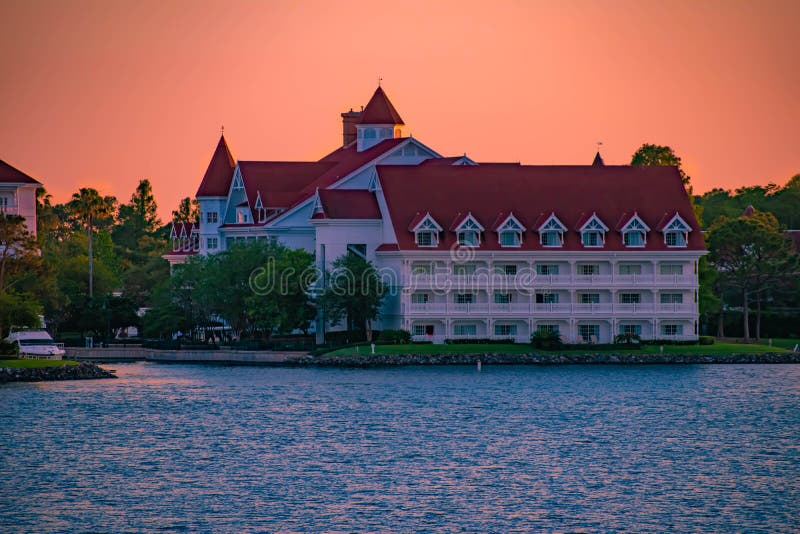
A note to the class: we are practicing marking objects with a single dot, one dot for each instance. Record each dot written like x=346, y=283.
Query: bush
x=547, y=340
x=395, y=337
x=627, y=339
x=706, y=340
x=479, y=341
x=7, y=349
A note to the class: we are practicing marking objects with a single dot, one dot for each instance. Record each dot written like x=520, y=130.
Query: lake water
x=239, y=449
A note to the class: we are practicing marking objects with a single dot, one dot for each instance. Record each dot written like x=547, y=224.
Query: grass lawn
x=786, y=343
x=717, y=348
x=31, y=364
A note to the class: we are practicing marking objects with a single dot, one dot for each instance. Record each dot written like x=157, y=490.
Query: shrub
x=706, y=340
x=479, y=341
x=547, y=340
x=395, y=337
x=627, y=339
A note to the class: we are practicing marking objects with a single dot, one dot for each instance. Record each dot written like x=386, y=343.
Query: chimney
x=349, y=121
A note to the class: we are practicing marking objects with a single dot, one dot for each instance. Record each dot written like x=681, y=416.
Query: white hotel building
x=471, y=249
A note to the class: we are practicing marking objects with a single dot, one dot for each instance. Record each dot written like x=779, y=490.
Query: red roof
x=217, y=179
x=11, y=175
x=348, y=204
x=570, y=192
x=279, y=182
x=380, y=110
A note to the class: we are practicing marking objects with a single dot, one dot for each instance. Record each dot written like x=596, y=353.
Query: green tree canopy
x=659, y=155
x=188, y=211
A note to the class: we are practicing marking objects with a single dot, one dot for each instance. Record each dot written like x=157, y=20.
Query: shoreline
x=83, y=371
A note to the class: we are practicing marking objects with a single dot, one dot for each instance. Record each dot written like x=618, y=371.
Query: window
x=551, y=233
x=630, y=268
x=593, y=233
x=671, y=298
x=631, y=329
x=671, y=268
x=502, y=298
x=509, y=270
x=370, y=133
x=464, y=330
x=464, y=298
x=589, y=298
x=357, y=249
x=546, y=269
x=419, y=298
x=548, y=329
x=212, y=217
x=588, y=269
x=671, y=329
x=422, y=268
x=242, y=215
x=551, y=239
x=426, y=239
x=630, y=298
x=505, y=330
x=468, y=238
x=423, y=330
x=509, y=238
x=633, y=238
x=676, y=232
x=675, y=239
x=589, y=332
x=3, y=203
x=546, y=298
x=212, y=243
x=462, y=269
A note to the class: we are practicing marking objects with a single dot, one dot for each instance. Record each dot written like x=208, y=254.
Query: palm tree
x=88, y=206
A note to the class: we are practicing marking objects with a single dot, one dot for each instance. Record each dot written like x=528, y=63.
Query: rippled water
x=212, y=448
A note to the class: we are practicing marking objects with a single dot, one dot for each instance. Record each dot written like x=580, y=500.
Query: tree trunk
x=746, y=316
x=721, y=322
x=368, y=330
x=91, y=263
x=758, y=317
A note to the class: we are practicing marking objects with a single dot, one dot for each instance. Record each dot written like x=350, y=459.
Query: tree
x=17, y=250
x=751, y=255
x=89, y=207
x=658, y=155
x=17, y=309
x=354, y=291
x=188, y=211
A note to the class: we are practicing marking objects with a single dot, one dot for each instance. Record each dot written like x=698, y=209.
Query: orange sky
x=105, y=93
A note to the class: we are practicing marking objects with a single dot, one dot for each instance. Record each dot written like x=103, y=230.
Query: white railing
x=9, y=210
x=530, y=308
x=531, y=280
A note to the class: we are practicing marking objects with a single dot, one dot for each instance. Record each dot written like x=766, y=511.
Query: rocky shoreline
x=390, y=360
x=82, y=371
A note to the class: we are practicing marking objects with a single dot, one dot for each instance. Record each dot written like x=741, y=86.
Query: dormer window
x=260, y=210
x=634, y=233
x=509, y=233
x=676, y=233
x=242, y=215
x=593, y=233
x=426, y=232
x=551, y=233
x=468, y=232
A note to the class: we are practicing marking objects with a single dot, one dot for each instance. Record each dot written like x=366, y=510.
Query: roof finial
x=222, y=129
x=599, y=145
x=379, y=80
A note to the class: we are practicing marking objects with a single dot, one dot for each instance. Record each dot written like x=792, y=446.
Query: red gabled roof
x=279, y=182
x=530, y=191
x=12, y=175
x=503, y=216
x=217, y=179
x=348, y=204
x=379, y=110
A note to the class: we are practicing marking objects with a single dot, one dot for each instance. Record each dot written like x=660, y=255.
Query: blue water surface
x=239, y=449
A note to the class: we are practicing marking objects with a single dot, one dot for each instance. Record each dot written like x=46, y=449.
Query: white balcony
x=526, y=280
x=530, y=309
x=9, y=210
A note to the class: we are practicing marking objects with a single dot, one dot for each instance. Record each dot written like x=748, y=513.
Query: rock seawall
x=387, y=360
x=82, y=371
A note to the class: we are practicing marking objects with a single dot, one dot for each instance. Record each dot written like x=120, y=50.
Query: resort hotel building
x=471, y=249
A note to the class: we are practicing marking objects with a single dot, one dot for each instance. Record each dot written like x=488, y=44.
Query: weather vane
x=222, y=129
x=599, y=144
x=379, y=81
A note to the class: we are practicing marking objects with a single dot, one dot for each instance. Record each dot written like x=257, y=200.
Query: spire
x=379, y=110
x=598, y=160
x=217, y=178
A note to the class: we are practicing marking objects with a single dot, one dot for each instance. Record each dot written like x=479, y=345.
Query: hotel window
x=212, y=217
x=630, y=268
x=419, y=298
x=548, y=329
x=468, y=238
x=423, y=329
x=3, y=204
x=589, y=298
x=551, y=233
x=464, y=298
x=505, y=330
x=427, y=233
x=546, y=298
x=357, y=249
x=508, y=270
x=502, y=298
x=422, y=268
x=212, y=243
x=589, y=332
x=671, y=268
x=671, y=329
x=546, y=269
x=671, y=298
x=510, y=233
x=630, y=298
x=426, y=239
x=464, y=330
x=593, y=233
x=370, y=133
x=463, y=269
x=675, y=239
x=631, y=329
x=676, y=233
x=633, y=238
x=242, y=215
x=588, y=269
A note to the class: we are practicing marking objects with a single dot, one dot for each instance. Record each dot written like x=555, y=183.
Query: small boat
x=36, y=343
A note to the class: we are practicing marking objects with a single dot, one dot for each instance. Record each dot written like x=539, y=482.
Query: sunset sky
x=105, y=93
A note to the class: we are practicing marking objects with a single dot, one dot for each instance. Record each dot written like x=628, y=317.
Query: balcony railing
x=530, y=280
x=565, y=309
x=9, y=210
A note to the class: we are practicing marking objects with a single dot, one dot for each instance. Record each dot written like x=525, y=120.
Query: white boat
x=36, y=343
